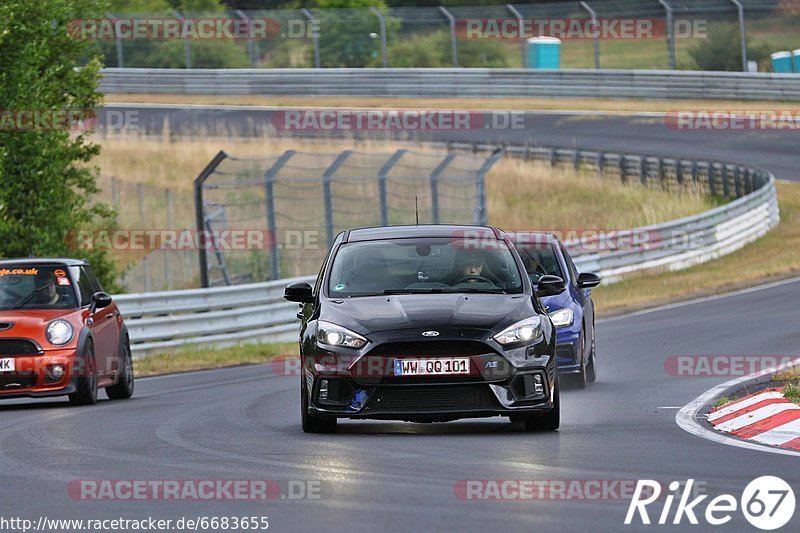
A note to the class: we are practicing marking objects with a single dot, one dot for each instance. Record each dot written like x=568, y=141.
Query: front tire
x=311, y=423
x=579, y=380
x=123, y=388
x=86, y=392
x=591, y=368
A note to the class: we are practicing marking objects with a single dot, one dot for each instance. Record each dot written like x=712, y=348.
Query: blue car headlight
x=561, y=317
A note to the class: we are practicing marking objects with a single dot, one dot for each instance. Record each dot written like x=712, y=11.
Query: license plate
x=431, y=367
x=8, y=365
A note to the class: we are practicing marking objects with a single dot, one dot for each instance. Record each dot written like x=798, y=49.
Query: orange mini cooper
x=60, y=334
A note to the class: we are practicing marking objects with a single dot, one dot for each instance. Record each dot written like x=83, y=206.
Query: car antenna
x=416, y=208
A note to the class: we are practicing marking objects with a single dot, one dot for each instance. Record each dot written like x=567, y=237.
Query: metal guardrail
x=456, y=82
x=257, y=312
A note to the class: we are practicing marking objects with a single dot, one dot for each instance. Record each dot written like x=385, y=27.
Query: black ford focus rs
x=426, y=324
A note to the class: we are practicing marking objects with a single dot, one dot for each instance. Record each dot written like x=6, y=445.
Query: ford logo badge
x=430, y=333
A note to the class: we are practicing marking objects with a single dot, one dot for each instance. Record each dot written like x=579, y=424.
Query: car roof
x=43, y=261
x=423, y=230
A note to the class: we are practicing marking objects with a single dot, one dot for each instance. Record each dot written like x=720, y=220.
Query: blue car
x=572, y=311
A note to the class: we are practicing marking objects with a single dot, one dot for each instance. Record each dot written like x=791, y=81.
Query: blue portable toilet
x=796, y=60
x=781, y=62
x=544, y=52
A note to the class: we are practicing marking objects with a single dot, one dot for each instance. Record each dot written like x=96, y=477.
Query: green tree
x=46, y=180
x=351, y=37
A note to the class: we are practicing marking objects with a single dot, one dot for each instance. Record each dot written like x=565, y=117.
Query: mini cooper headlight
x=334, y=335
x=523, y=331
x=59, y=332
x=561, y=317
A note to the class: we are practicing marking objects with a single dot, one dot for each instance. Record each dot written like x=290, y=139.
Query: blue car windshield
x=540, y=260
x=423, y=265
x=27, y=287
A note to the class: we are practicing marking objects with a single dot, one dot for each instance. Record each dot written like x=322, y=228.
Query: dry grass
x=529, y=104
x=198, y=358
x=774, y=256
x=521, y=195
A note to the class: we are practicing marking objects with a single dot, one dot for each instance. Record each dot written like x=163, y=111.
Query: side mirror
x=299, y=292
x=99, y=301
x=550, y=286
x=587, y=280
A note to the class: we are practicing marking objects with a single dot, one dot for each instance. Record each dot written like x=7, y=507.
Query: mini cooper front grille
x=11, y=347
x=13, y=382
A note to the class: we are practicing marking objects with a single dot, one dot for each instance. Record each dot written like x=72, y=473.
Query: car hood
x=30, y=319
x=382, y=313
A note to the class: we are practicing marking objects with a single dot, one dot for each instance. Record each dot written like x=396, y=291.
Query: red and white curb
x=765, y=417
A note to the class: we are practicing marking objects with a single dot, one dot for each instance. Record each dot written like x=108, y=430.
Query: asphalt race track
x=243, y=423
x=650, y=134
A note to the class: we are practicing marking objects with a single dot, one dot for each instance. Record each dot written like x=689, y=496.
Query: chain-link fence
x=275, y=217
x=622, y=34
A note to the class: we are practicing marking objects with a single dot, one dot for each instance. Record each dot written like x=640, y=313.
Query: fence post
x=440, y=168
x=642, y=169
x=679, y=171
x=382, y=22
x=481, y=217
x=382, y=173
x=742, y=34
x=250, y=41
x=269, y=197
x=118, y=41
x=198, y=212
x=326, y=187
x=187, y=52
x=522, y=40
x=314, y=34
x=670, y=34
x=453, y=44
x=596, y=33
x=737, y=181
x=724, y=174
x=170, y=226
x=145, y=259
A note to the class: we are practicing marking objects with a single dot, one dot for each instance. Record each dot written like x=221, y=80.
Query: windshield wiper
x=414, y=291
x=477, y=290
x=29, y=297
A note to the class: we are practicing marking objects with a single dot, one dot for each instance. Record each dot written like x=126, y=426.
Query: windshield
x=35, y=287
x=539, y=261
x=425, y=265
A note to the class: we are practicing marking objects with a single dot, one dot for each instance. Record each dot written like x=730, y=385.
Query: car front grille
x=432, y=398
x=11, y=347
x=432, y=348
x=14, y=382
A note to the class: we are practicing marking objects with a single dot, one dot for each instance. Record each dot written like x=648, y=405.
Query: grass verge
x=198, y=358
x=526, y=104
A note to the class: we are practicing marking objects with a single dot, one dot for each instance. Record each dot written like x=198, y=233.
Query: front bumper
x=30, y=378
x=567, y=350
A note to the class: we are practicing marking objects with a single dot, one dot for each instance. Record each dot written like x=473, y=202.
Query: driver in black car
x=467, y=269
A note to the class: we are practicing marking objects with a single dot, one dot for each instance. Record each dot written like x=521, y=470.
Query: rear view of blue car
x=572, y=311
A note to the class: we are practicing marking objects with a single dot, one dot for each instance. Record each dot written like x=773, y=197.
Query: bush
x=434, y=50
x=721, y=50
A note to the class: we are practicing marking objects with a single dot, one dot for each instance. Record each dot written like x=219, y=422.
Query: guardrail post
x=737, y=181
x=199, y=217
x=269, y=197
x=642, y=169
x=726, y=188
x=712, y=182
x=679, y=171
x=522, y=41
x=595, y=33
x=622, y=177
x=187, y=52
x=576, y=159
x=440, y=168
x=453, y=44
x=382, y=22
x=695, y=176
x=382, y=173
x=327, y=176
x=250, y=41
x=601, y=163
x=314, y=34
x=670, y=33
x=118, y=41
x=742, y=35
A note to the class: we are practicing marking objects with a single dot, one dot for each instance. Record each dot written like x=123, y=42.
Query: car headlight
x=334, y=335
x=561, y=317
x=59, y=332
x=523, y=331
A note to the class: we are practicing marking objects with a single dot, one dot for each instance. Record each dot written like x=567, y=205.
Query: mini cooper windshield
x=36, y=287
x=422, y=265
